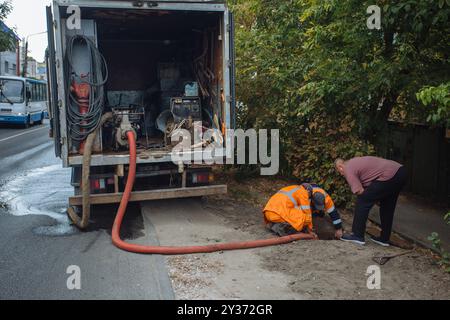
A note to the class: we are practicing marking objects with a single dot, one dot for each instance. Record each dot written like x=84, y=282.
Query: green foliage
x=314, y=162
x=7, y=40
x=438, y=99
x=313, y=69
x=437, y=244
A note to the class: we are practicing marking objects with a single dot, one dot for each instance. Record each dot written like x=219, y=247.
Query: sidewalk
x=416, y=221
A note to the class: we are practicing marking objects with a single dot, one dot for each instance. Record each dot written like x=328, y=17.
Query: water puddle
x=42, y=191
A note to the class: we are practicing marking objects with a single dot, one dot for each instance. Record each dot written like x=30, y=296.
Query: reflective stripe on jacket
x=292, y=205
x=330, y=209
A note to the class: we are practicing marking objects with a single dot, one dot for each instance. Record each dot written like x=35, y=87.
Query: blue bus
x=23, y=101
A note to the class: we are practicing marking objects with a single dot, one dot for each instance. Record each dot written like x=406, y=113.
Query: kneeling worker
x=290, y=210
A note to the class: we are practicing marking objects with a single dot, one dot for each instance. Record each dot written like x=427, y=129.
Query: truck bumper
x=108, y=198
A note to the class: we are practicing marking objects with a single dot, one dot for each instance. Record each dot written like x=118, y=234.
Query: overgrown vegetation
x=438, y=99
x=7, y=40
x=313, y=69
x=436, y=242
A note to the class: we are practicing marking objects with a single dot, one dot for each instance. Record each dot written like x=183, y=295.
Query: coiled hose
x=136, y=248
x=81, y=125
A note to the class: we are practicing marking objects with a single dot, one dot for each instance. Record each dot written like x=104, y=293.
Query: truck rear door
x=52, y=83
x=233, y=70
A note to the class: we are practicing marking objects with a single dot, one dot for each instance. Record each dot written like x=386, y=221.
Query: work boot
x=283, y=229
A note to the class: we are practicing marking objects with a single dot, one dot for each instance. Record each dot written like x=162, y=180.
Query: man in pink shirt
x=373, y=180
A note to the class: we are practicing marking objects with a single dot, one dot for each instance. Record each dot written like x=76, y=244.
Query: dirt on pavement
x=301, y=270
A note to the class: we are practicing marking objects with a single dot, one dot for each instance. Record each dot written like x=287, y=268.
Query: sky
x=29, y=17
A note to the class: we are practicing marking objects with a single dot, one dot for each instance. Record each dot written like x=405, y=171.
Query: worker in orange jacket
x=291, y=209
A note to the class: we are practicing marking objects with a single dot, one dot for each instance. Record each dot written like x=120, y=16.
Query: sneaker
x=378, y=240
x=353, y=238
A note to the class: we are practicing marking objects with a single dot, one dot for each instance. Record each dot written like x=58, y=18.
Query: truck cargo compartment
x=165, y=71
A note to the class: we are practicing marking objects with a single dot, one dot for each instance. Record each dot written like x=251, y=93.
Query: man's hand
x=360, y=192
x=311, y=232
x=338, y=234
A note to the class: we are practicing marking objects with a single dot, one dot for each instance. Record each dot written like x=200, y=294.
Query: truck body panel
x=172, y=46
x=60, y=33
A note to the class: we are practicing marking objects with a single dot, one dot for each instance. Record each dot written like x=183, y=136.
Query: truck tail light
x=95, y=184
x=198, y=178
x=99, y=184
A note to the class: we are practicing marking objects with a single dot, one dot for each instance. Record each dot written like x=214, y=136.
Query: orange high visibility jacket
x=329, y=209
x=292, y=205
x=329, y=204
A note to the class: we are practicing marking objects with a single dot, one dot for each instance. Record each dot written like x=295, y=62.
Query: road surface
x=38, y=245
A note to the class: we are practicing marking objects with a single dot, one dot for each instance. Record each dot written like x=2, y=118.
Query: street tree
x=7, y=39
x=315, y=70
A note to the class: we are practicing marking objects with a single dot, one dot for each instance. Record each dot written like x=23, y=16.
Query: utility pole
x=25, y=53
x=18, y=57
x=25, y=59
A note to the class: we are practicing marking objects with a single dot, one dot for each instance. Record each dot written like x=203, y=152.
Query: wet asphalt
x=38, y=245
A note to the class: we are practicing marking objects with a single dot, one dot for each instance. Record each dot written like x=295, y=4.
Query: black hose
x=82, y=125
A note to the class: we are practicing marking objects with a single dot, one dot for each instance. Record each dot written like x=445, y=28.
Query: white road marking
x=21, y=134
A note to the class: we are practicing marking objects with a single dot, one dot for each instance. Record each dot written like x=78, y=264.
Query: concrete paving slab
x=416, y=221
x=236, y=274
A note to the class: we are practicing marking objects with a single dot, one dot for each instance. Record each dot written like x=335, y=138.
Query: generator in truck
x=137, y=70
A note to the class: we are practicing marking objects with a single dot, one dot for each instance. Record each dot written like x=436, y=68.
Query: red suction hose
x=180, y=250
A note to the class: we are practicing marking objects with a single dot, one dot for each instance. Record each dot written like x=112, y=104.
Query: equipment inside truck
x=156, y=71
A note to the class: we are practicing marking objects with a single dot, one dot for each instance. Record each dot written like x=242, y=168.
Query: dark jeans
x=386, y=192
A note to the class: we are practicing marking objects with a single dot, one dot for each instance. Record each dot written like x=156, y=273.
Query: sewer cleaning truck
x=140, y=70
x=142, y=105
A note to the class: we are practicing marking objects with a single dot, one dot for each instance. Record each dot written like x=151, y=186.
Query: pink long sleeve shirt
x=360, y=172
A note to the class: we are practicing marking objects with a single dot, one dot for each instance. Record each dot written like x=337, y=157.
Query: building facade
x=8, y=63
x=8, y=59
x=32, y=68
x=41, y=72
